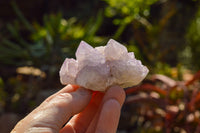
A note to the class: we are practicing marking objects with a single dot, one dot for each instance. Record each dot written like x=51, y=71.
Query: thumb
x=55, y=111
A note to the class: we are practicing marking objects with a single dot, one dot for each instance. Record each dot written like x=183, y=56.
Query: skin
x=79, y=110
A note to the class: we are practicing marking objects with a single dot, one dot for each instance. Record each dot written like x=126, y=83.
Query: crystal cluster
x=101, y=67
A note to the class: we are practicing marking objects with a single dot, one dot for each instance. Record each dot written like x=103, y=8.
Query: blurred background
x=37, y=35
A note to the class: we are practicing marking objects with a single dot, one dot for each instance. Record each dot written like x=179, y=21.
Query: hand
x=89, y=112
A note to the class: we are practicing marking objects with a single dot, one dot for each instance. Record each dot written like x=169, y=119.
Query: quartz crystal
x=101, y=67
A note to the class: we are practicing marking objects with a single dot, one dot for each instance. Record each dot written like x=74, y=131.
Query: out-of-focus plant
x=48, y=43
x=163, y=105
x=2, y=95
x=126, y=11
x=133, y=17
x=44, y=46
x=151, y=25
x=191, y=53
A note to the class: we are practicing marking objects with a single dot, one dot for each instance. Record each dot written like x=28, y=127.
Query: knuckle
x=61, y=100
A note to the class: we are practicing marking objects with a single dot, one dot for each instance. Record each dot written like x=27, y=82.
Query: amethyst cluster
x=101, y=67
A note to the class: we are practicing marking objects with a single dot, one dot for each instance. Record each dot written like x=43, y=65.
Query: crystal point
x=114, y=50
x=68, y=71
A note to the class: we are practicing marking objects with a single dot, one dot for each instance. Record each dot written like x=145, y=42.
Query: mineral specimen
x=101, y=67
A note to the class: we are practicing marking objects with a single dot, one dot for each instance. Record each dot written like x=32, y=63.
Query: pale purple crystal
x=115, y=51
x=101, y=67
x=86, y=54
x=68, y=71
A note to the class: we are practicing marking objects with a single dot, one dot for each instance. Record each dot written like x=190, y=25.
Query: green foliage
x=133, y=48
x=128, y=10
x=48, y=43
x=192, y=50
x=162, y=68
x=134, y=8
x=165, y=69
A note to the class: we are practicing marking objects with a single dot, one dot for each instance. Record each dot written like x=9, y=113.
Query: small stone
x=101, y=67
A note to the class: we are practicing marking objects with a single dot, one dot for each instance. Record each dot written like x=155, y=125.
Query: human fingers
x=55, y=111
x=109, y=117
x=114, y=93
x=67, y=89
x=81, y=121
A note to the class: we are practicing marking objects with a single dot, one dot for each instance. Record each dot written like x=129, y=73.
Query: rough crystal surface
x=101, y=67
